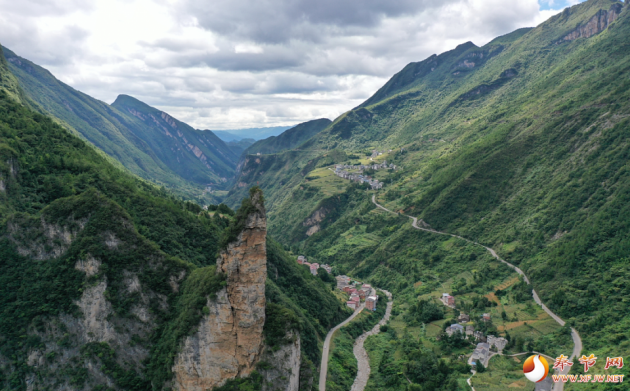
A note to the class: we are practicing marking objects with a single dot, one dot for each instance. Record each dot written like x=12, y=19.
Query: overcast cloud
x=226, y=64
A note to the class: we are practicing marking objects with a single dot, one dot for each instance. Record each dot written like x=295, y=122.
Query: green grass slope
x=141, y=147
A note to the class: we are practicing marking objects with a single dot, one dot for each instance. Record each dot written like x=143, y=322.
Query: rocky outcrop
x=281, y=368
x=229, y=340
x=595, y=25
x=41, y=240
x=313, y=221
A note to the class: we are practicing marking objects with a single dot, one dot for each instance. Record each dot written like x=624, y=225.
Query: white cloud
x=245, y=63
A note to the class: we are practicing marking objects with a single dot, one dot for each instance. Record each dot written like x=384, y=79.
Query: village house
x=354, y=304
x=448, y=299
x=500, y=343
x=479, y=336
x=370, y=303
x=469, y=330
x=455, y=328
x=342, y=282
x=485, y=317
x=327, y=268
x=463, y=318
x=480, y=354
x=314, y=267
x=301, y=259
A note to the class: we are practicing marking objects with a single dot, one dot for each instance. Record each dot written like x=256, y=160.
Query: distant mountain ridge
x=291, y=138
x=186, y=163
x=255, y=133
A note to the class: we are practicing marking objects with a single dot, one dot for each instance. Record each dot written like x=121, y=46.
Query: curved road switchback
x=363, y=361
x=577, y=341
x=323, y=369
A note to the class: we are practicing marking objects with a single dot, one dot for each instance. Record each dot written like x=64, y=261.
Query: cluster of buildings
x=375, y=166
x=484, y=344
x=340, y=171
x=313, y=266
x=358, y=292
x=374, y=183
x=482, y=351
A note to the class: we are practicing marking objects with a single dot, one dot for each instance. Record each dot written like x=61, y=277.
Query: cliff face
x=229, y=341
x=598, y=23
x=283, y=366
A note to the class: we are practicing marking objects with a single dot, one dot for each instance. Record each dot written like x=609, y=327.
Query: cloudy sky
x=226, y=64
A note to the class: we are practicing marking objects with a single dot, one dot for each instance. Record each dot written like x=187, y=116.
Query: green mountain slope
x=142, y=147
x=289, y=139
x=520, y=145
x=238, y=146
x=79, y=236
x=192, y=154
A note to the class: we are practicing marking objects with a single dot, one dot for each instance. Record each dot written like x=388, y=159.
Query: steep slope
x=103, y=276
x=142, y=147
x=193, y=154
x=289, y=139
x=520, y=145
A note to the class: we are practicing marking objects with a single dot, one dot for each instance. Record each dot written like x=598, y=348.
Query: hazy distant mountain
x=226, y=136
x=255, y=133
x=239, y=146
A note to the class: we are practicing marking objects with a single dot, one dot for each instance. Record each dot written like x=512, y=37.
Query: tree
x=480, y=367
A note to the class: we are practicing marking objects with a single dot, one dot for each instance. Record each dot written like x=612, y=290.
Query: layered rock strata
x=229, y=340
x=598, y=23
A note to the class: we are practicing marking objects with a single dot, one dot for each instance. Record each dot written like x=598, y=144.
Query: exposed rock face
x=283, y=372
x=229, y=340
x=313, y=221
x=595, y=25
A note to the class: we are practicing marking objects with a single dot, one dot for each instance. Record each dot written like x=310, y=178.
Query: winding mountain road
x=577, y=341
x=323, y=369
x=363, y=361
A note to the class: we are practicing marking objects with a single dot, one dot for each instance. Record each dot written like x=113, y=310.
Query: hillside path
x=363, y=361
x=323, y=369
x=577, y=341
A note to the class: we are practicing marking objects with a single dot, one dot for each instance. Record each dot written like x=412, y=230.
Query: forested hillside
x=521, y=145
x=149, y=143
x=103, y=275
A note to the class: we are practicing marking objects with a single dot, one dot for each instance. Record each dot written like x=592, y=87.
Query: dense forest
x=71, y=222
